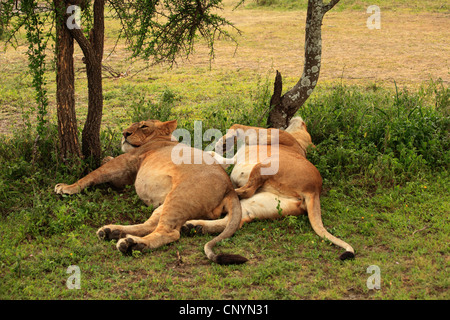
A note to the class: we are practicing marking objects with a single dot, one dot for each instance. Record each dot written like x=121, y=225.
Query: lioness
x=293, y=188
x=179, y=192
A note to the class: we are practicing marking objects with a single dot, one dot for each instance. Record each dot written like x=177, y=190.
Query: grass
x=360, y=5
x=383, y=153
x=287, y=261
x=394, y=213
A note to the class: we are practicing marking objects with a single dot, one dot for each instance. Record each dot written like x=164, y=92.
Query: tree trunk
x=284, y=107
x=93, y=53
x=65, y=88
x=91, y=132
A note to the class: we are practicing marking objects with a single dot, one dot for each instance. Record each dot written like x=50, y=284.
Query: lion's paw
x=129, y=244
x=105, y=233
x=190, y=230
x=244, y=192
x=62, y=188
x=59, y=188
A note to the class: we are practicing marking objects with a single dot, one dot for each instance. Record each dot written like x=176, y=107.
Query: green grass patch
x=358, y=5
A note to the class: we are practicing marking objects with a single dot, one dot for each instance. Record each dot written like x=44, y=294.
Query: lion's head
x=297, y=128
x=139, y=133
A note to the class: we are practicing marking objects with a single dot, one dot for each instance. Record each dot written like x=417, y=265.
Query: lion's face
x=139, y=133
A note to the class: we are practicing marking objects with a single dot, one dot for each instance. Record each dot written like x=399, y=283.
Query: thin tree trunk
x=65, y=88
x=284, y=107
x=91, y=132
x=93, y=53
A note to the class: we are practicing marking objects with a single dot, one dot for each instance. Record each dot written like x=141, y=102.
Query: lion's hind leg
x=268, y=205
x=262, y=205
x=159, y=237
x=255, y=181
x=167, y=230
x=117, y=232
x=209, y=226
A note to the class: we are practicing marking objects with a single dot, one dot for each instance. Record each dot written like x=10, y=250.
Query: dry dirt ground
x=409, y=48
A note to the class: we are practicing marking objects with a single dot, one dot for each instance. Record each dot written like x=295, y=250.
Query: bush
x=378, y=135
x=146, y=109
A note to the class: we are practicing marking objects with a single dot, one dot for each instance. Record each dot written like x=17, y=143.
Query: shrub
x=376, y=134
x=146, y=109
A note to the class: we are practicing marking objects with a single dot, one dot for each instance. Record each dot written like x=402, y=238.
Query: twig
x=179, y=260
x=114, y=74
x=426, y=227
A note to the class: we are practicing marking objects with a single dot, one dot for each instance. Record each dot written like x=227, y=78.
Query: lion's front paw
x=128, y=244
x=59, y=188
x=62, y=188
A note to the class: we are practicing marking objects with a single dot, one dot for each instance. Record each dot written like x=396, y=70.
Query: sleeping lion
x=179, y=192
x=273, y=179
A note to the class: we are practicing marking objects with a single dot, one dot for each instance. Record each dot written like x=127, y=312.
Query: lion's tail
x=315, y=218
x=233, y=207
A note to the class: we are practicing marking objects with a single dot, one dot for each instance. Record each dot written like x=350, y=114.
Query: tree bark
x=93, y=53
x=284, y=107
x=69, y=146
x=91, y=146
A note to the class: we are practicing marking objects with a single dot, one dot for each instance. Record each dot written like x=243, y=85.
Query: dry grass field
x=410, y=48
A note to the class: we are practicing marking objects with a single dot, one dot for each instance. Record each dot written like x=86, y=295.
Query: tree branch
x=275, y=101
x=329, y=6
x=84, y=44
x=98, y=29
x=284, y=108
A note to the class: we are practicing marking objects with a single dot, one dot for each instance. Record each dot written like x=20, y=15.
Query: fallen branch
x=114, y=74
x=426, y=227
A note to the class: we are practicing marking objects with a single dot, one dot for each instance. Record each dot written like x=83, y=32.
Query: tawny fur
x=293, y=190
x=179, y=192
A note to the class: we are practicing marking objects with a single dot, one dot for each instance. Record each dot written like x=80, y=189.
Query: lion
x=292, y=188
x=178, y=192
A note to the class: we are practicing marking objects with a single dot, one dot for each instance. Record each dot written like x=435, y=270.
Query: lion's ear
x=168, y=127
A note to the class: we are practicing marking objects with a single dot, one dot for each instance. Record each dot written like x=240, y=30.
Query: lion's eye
x=144, y=126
